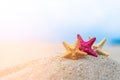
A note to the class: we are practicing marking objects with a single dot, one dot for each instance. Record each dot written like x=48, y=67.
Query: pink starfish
x=86, y=46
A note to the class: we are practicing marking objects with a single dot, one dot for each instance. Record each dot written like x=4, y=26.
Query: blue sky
x=58, y=20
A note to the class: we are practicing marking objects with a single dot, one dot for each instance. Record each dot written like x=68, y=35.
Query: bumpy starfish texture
x=87, y=46
x=73, y=52
x=98, y=47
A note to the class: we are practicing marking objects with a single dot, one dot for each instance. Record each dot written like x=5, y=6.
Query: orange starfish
x=73, y=52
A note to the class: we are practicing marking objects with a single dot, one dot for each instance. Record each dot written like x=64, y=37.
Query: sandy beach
x=14, y=53
x=16, y=57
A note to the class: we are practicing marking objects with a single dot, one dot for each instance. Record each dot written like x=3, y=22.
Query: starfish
x=73, y=52
x=86, y=46
x=98, y=47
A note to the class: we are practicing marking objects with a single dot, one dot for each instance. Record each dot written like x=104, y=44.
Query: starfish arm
x=102, y=42
x=66, y=46
x=74, y=56
x=70, y=56
x=79, y=38
x=95, y=46
x=81, y=53
x=100, y=52
x=66, y=55
x=92, y=52
x=91, y=41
